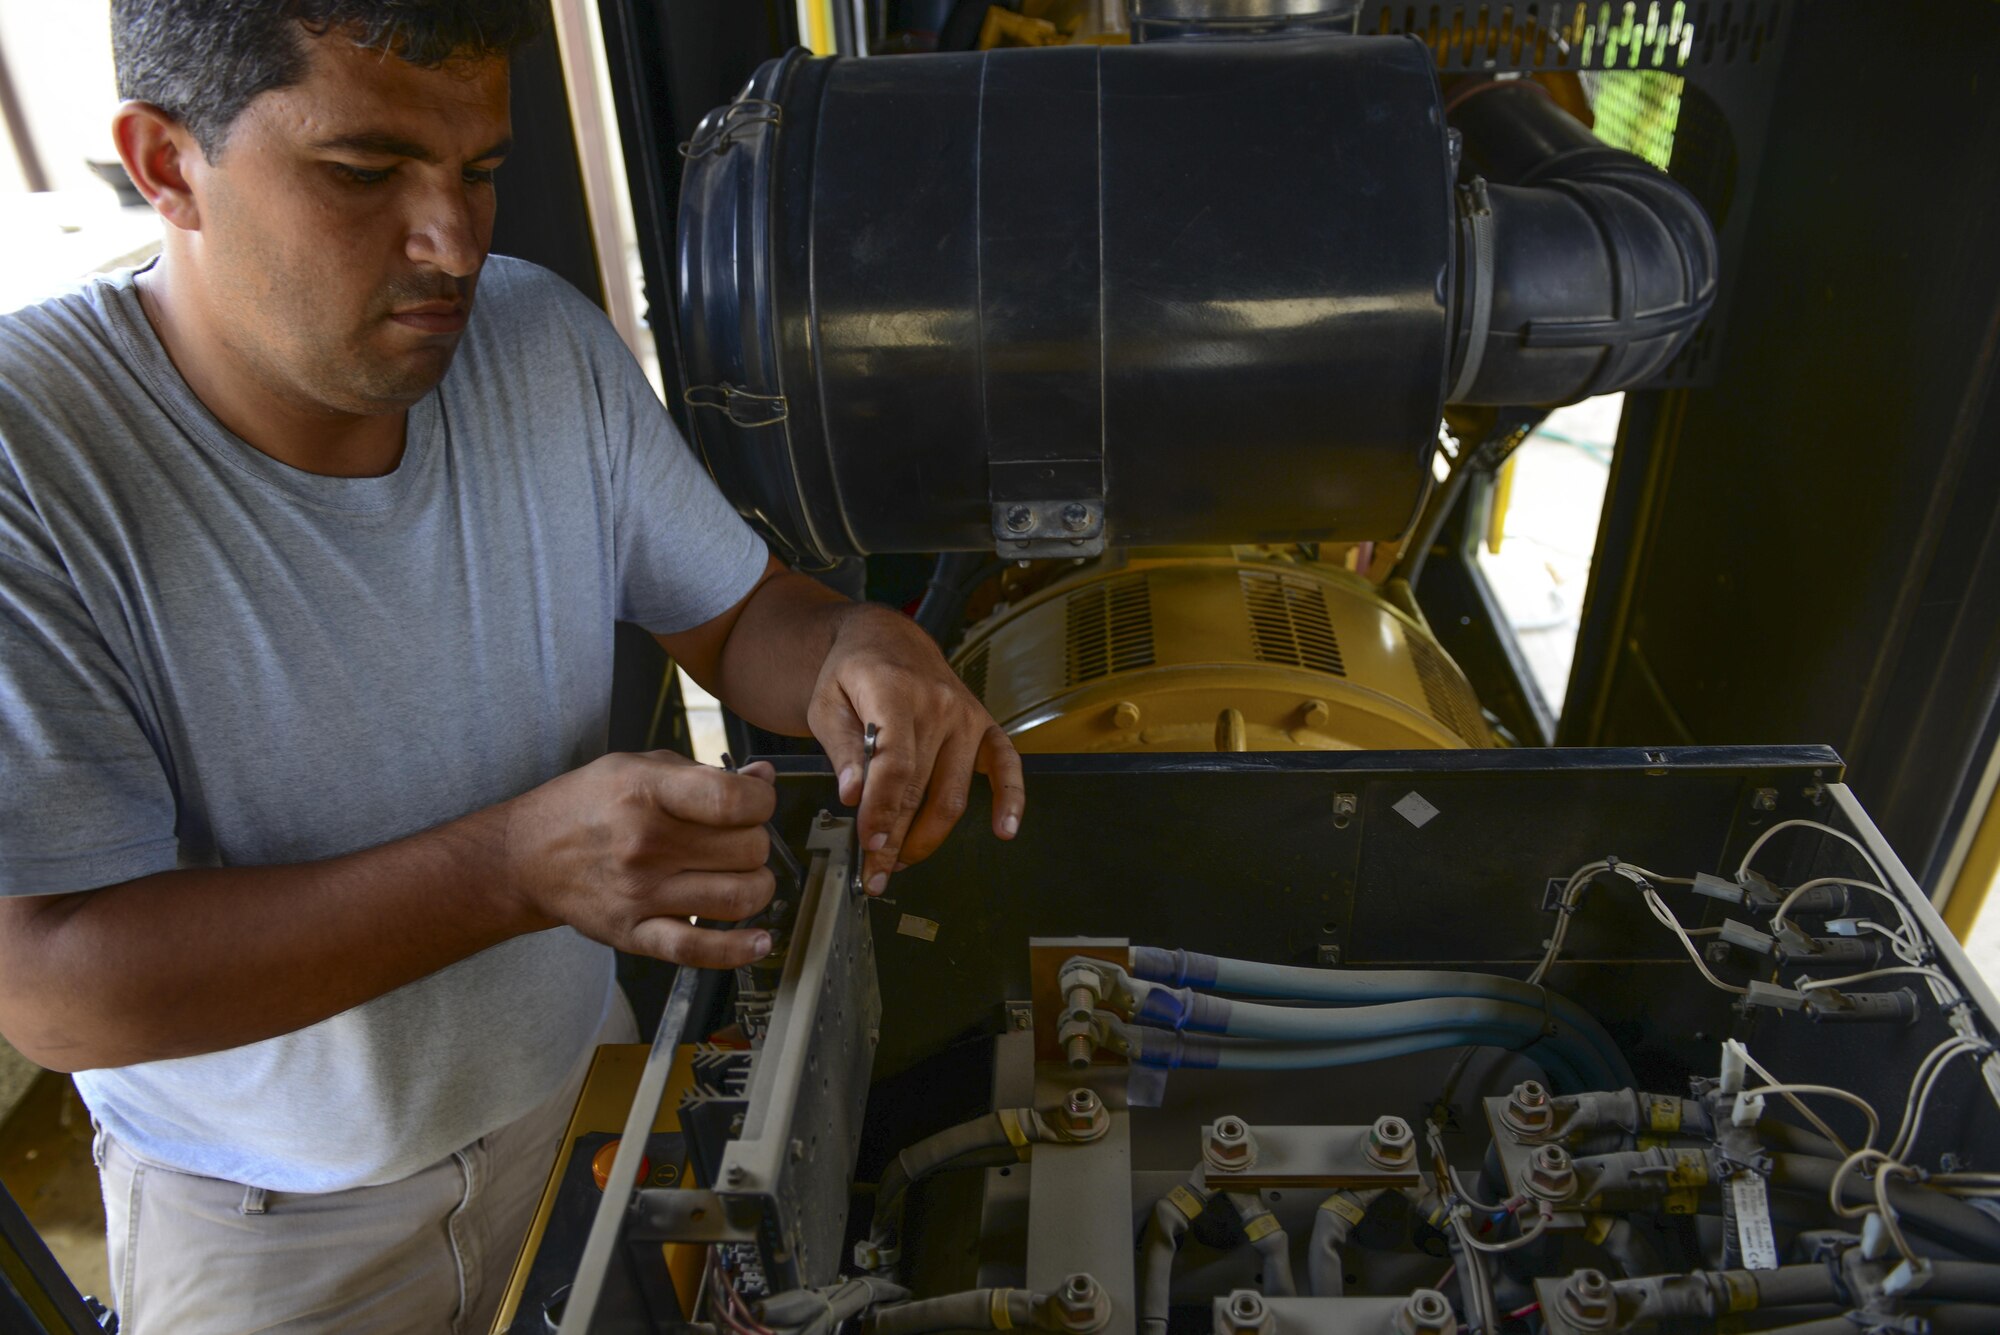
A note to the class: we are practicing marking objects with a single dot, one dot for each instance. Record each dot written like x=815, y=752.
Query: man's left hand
x=932, y=735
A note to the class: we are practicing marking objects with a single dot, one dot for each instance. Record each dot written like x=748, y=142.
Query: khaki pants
x=426, y=1255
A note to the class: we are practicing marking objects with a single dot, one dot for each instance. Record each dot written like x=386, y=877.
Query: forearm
x=769, y=663
x=185, y=962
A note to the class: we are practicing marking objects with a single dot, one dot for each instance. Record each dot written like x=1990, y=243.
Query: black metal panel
x=1244, y=854
x=1813, y=553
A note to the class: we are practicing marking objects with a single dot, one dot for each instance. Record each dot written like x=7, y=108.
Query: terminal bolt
x=1244, y=1313
x=1391, y=1143
x=1528, y=1111
x=1082, y=1117
x=1079, y=1042
x=1551, y=1175
x=1081, y=1305
x=1427, y=1312
x=1228, y=1146
x=1588, y=1301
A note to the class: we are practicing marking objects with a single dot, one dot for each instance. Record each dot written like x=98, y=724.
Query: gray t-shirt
x=208, y=658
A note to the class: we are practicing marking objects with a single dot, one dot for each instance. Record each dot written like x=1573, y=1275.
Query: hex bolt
x=1228, y=1146
x=1076, y=517
x=1391, y=1143
x=1081, y=1305
x=1427, y=1312
x=1082, y=1117
x=1551, y=1175
x=1588, y=1301
x=1020, y=519
x=1528, y=1110
x=1246, y=1313
x=1314, y=713
x=1079, y=1050
x=1125, y=715
x=1764, y=799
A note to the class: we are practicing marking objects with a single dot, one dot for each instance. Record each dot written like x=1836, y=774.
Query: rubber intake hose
x=1181, y=968
x=1582, y=269
x=1936, y=1216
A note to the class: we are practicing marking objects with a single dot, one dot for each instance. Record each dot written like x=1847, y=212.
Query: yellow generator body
x=1243, y=650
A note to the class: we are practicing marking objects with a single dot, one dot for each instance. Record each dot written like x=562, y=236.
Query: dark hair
x=202, y=61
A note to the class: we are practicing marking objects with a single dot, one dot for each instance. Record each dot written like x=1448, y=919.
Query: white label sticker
x=1415, y=810
x=921, y=928
x=1753, y=1222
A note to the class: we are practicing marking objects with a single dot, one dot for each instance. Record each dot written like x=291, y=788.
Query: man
x=312, y=536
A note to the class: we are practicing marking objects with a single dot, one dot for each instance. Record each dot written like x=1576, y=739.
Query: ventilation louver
x=1289, y=622
x=1110, y=629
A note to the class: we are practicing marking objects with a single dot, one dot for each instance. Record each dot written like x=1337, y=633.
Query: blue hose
x=1170, y=1051
x=1181, y=968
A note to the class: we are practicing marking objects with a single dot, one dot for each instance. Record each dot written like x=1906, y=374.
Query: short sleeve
x=684, y=555
x=84, y=799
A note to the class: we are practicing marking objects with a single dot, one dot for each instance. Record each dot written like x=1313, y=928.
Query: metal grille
x=1638, y=111
x=973, y=672
x=1289, y=624
x=1583, y=34
x=1110, y=628
x=1450, y=702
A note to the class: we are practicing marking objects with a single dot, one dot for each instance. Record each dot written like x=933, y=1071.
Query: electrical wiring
x=1527, y=1236
x=1669, y=921
x=1570, y=898
x=1475, y=1283
x=1888, y=1212
x=1829, y=1092
x=1566, y=905
x=731, y=1311
x=1821, y=984
x=1921, y=1086
x=1779, y=918
x=1819, y=1123
x=1758, y=844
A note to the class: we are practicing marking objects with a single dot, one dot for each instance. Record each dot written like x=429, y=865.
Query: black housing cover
x=1204, y=284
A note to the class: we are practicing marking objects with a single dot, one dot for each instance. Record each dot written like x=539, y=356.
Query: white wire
x=1913, y=1108
x=1668, y=920
x=1829, y=1092
x=1818, y=1123
x=1819, y=984
x=1566, y=903
x=1527, y=1236
x=1841, y=835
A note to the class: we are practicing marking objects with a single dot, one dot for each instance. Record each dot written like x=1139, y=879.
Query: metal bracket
x=743, y=407
x=1044, y=529
x=730, y=124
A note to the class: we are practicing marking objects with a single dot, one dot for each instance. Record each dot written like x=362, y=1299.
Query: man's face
x=344, y=223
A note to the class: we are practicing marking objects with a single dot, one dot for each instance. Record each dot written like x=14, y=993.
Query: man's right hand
x=629, y=847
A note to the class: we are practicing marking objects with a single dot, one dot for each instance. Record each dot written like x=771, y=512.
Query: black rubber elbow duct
x=1583, y=269
x=1192, y=292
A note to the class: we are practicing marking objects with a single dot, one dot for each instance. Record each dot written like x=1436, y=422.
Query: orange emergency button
x=600, y=1165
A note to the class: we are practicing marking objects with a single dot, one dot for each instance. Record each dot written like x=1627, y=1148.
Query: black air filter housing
x=1037, y=300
